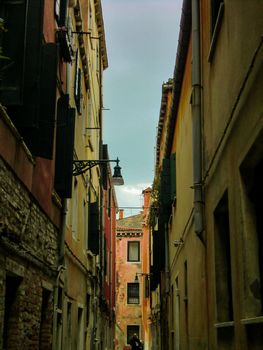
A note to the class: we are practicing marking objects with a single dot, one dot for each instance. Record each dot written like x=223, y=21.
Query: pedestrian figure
x=135, y=342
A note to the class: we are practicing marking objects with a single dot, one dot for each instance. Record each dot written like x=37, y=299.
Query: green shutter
x=173, y=176
x=64, y=147
x=93, y=236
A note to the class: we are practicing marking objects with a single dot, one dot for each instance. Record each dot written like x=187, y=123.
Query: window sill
x=215, y=33
x=252, y=320
x=224, y=324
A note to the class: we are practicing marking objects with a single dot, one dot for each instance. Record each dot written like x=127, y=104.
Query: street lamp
x=146, y=284
x=81, y=166
x=147, y=275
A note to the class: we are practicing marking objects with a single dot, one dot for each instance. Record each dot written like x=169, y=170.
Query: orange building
x=133, y=277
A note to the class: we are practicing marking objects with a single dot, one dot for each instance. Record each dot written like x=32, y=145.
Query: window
x=224, y=301
x=80, y=340
x=45, y=332
x=133, y=251
x=252, y=193
x=11, y=318
x=133, y=293
x=132, y=329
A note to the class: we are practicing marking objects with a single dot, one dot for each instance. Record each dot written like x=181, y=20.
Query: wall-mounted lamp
x=81, y=166
x=146, y=282
x=147, y=275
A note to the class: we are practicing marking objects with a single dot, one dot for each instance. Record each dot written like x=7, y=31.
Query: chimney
x=147, y=199
x=121, y=214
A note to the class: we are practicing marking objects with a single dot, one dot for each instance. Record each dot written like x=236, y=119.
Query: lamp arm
x=81, y=166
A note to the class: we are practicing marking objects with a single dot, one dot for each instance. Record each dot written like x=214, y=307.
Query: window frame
x=129, y=291
x=129, y=243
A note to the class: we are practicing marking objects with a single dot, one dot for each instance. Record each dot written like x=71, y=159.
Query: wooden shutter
x=64, y=147
x=32, y=67
x=43, y=136
x=11, y=71
x=93, y=237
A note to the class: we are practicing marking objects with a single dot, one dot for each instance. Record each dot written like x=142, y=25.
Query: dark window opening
x=252, y=178
x=11, y=318
x=45, y=322
x=224, y=300
x=133, y=296
x=131, y=330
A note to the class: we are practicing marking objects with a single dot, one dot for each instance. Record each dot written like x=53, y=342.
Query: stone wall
x=28, y=267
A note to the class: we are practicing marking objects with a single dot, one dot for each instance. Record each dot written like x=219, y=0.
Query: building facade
x=208, y=288
x=55, y=269
x=133, y=278
x=30, y=208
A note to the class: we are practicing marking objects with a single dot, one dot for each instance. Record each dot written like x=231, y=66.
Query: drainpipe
x=197, y=122
x=63, y=231
x=167, y=270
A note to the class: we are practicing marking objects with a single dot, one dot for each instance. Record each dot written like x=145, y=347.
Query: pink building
x=133, y=277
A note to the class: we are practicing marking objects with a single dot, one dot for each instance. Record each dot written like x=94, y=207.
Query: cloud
x=130, y=197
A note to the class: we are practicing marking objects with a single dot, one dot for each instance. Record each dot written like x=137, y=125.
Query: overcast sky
x=141, y=39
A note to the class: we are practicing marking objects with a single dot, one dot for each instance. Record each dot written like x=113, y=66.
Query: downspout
x=197, y=122
x=63, y=232
x=61, y=269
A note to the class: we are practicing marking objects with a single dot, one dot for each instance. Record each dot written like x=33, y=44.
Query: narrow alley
x=102, y=246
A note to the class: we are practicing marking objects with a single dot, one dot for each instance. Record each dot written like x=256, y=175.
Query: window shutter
x=147, y=287
x=43, y=137
x=165, y=194
x=64, y=147
x=93, y=237
x=173, y=176
x=32, y=67
x=12, y=43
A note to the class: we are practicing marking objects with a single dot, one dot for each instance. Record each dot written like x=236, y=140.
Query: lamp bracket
x=81, y=166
